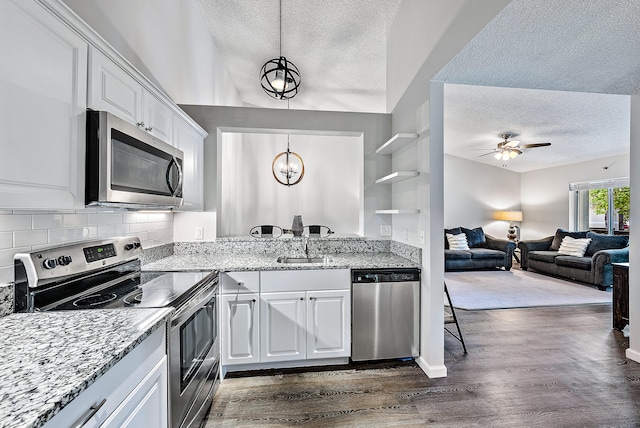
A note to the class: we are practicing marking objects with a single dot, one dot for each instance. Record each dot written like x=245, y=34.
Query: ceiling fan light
x=505, y=155
x=513, y=154
x=498, y=155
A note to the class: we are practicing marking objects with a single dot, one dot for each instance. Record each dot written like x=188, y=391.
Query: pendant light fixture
x=280, y=77
x=288, y=167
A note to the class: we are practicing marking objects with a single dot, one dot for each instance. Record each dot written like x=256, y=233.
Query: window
x=602, y=205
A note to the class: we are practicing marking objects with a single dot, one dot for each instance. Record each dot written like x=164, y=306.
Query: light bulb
x=513, y=154
x=498, y=155
x=279, y=82
x=505, y=155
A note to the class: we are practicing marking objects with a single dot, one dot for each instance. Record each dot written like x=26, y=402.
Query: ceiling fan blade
x=513, y=143
x=490, y=153
x=517, y=151
x=533, y=146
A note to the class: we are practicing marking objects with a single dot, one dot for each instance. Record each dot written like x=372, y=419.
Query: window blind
x=600, y=184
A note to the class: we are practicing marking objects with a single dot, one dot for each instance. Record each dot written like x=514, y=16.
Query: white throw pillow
x=457, y=242
x=573, y=246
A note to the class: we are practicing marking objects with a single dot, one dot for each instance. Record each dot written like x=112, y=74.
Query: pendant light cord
x=280, y=27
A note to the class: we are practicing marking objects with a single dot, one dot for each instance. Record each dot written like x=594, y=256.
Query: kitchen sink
x=322, y=259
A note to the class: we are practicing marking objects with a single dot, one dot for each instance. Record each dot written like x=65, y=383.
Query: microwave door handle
x=180, y=177
x=168, y=176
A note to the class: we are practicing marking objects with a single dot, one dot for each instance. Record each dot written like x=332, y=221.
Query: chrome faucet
x=305, y=245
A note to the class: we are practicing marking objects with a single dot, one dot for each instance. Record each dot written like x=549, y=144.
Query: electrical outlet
x=199, y=232
x=385, y=230
x=422, y=237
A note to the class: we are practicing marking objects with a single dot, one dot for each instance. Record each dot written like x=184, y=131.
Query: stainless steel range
x=106, y=274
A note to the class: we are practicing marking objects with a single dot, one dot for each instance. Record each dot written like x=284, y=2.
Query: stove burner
x=94, y=300
x=149, y=296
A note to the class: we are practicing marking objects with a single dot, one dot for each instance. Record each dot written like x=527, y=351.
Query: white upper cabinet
x=191, y=142
x=43, y=81
x=114, y=90
x=157, y=117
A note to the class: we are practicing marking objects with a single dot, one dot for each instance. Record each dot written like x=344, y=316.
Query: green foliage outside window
x=598, y=200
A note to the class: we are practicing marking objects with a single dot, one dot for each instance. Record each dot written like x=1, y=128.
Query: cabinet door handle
x=253, y=300
x=311, y=298
x=149, y=129
x=86, y=417
x=140, y=124
x=302, y=298
x=240, y=283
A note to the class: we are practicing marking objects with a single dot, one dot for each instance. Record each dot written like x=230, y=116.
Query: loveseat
x=484, y=252
x=594, y=267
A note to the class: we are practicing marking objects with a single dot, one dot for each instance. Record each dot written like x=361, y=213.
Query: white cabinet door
x=147, y=403
x=114, y=90
x=240, y=329
x=282, y=330
x=43, y=81
x=187, y=139
x=328, y=324
x=157, y=117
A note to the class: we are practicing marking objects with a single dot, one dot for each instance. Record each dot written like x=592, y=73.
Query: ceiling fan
x=509, y=149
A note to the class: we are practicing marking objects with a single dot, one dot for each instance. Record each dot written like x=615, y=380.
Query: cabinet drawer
x=304, y=280
x=240, y=282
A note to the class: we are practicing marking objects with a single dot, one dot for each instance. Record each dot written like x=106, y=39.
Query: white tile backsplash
x=24, y=231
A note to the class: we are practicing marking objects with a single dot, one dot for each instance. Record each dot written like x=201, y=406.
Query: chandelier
x=279, y=77
x=287, y=167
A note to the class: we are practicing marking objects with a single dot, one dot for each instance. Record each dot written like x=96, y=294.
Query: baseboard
x=432, y=371
x=633, y=355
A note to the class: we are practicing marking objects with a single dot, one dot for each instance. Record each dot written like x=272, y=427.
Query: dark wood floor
x=538, y=367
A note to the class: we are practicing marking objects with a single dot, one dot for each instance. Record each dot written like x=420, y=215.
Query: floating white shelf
x=416, y=211
x=394, y=177
x=396, y=142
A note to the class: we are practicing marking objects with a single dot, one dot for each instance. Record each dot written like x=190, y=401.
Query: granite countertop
x=248, y=262
x=47, y=359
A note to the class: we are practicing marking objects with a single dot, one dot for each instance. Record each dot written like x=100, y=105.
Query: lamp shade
x=508, y=215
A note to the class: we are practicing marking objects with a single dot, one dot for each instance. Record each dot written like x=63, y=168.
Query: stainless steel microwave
x=128, y=167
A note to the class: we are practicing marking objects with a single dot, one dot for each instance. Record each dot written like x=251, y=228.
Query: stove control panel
x=51, y=264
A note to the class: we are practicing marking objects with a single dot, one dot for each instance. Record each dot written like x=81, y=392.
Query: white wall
x=634, y=240
x=169, y=42
x=373, y=128
x=545, y=192
x=327, y=195
x=474, y=191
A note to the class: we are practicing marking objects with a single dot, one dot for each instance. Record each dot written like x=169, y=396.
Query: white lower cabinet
x=298, y=315
x=240, y=329
x=133, y=393
x=328, y=324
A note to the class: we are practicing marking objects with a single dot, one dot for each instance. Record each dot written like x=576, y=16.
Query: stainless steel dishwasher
x=385, y=314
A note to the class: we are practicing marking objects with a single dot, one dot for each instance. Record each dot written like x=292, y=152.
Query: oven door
x=194, y=356
x=126, y=165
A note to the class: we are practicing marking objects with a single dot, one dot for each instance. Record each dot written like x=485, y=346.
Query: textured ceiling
x=339, y=46
x=579, y=126
x=590, y=47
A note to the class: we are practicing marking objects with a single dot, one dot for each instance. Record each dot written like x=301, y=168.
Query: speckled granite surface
x=6, y=299
x=243, y=262
x=48, y=359
x=247, y=253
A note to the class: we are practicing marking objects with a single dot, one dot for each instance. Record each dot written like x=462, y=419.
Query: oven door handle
x=193, y=306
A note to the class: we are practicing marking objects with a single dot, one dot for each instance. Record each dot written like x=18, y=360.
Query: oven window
x=197, y=335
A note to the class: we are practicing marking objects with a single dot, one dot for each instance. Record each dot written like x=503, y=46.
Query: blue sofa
x=485, y=251
x=594, y=268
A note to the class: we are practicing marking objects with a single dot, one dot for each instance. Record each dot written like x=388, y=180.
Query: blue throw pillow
x=605, y=242
x=561, y=233
x=454, y=231
x=475, y=237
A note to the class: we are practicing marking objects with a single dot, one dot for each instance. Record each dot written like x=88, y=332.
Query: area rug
x=475, y=290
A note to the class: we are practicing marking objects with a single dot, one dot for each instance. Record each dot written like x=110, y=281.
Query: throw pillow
x=475, y=237
x=561, y=233
x=457, y=242
x=454, y=231
x=605, y=242
x=573, y=246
